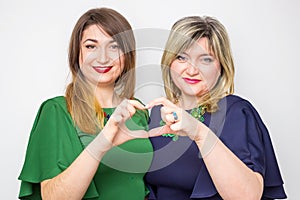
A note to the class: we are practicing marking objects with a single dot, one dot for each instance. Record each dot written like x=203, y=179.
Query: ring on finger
x=175, y=116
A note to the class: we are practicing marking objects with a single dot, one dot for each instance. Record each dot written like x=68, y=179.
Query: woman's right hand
x=115, y=130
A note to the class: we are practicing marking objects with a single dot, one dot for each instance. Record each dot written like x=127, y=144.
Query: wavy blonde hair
x=183, y=33
x=81, y=102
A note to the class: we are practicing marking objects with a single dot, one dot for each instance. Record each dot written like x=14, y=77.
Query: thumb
x=139, y=134
x=160, y=130
x=116, y=118
x=175, y=127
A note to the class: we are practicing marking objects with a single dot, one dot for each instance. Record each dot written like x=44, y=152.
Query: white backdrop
x=265, y=43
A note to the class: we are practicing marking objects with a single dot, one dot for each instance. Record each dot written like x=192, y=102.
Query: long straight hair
x=81, y=101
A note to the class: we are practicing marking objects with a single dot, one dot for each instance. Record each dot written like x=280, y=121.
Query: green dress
x=55, y=142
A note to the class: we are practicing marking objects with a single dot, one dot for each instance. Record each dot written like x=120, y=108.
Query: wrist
x=207, y=143
x=99, y=146
x=201, y=134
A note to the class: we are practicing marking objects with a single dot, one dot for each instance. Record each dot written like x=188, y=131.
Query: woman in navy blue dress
x=215, y=145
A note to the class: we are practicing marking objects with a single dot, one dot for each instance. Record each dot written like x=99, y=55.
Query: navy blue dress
x=178, y=172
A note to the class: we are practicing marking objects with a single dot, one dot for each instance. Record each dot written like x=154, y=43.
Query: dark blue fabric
x=178, y=172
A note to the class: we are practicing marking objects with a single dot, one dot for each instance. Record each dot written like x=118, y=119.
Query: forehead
x=95, y=31
x=201, y=45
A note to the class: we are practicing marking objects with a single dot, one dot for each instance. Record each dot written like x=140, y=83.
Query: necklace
x=107, y=112
x=107, y=116
x=197, y=113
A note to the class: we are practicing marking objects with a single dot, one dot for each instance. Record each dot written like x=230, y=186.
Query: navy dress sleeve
x=241, y=129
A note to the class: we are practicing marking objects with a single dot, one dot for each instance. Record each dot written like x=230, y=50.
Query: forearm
x=73, y=182
x=232, y=178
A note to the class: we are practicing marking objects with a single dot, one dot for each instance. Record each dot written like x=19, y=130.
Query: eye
x=90, y=46
x=114, y=46
x=181, y=58
x=207, y=59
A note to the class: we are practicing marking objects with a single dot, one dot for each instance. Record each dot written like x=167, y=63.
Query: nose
x=102, y=56
x=192, y=69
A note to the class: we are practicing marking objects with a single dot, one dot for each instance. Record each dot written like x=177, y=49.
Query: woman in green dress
x=92, y=143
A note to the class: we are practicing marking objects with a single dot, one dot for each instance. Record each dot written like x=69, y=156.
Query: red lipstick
x=104, y=69
x=191, y=80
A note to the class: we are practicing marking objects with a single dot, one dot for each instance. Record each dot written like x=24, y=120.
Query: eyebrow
x=207, y=54
x=203, y=54
x=96, y=41
x=92, y=40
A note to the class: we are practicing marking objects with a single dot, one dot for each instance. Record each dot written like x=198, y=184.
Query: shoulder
x=51, y=118
x=58, y=102
x=237, y=113
x=53, y=108
x=237, y=109
x=234, y=102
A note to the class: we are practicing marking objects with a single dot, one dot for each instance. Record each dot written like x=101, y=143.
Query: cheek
x=176, y=69
x=80, y=59
x=212, y=77
x=174, y=75
x=176, y=78
x=121, y=62
x=85, y=58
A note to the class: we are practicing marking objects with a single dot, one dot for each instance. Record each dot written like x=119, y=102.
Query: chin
x=190, y=93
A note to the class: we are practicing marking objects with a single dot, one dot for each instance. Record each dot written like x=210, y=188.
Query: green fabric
x=54, y=143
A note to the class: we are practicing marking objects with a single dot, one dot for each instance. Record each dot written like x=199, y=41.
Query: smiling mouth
x=191, y=80
x=102, y=69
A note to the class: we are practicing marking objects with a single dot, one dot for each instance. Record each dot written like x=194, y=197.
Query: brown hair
x=85, y=110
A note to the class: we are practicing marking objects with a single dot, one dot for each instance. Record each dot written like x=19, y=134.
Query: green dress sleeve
x=53, y=145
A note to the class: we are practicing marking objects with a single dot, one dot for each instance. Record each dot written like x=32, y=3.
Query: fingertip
x=150, y=105
x=137, y=104
x=117, y=119
x=174, y=127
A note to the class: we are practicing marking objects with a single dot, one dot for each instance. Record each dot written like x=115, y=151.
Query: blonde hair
x=81, y=102
x=183, y=33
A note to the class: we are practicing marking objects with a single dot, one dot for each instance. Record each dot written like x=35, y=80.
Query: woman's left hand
x=178, y=120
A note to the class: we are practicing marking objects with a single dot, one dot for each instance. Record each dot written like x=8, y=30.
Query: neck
x=107, y=97
x=188, y=102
